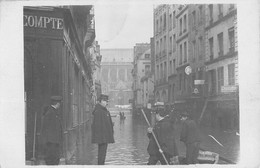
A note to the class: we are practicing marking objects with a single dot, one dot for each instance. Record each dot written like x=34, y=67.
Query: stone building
x=116, y=78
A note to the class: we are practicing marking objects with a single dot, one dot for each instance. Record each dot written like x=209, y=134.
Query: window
x=220, y=78
x=211, y=13
x=180, y=27
x=193, y=79
x=158, y=72
x=220, y=44
x=174, y=43
x=185, y=52
x=180, y=60
x=165, y=70
x=161, y=45
x=194, y=50
x=213, y=82
x=170, y=46
x=174, y=20
x=164, y=45
x=147, y=69
x=200, y=14
x=160, y=23
x=184, y=82
x=170, y=22
x=220, y=10
x=173, y=65
x=146, y=56
x=157, y=26
x=211, y=49
x=193, y=19
x=231, y=36
x=185, y=24
x=200, y=48
x=231, y=74
x=161, y=70
x=164, y=21
x=170, y=68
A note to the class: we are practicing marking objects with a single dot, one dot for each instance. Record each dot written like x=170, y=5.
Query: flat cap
x=57, y=98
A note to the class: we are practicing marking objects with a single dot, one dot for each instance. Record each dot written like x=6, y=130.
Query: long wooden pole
x=159, y=146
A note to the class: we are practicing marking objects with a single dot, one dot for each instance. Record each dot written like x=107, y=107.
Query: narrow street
x=131, y=143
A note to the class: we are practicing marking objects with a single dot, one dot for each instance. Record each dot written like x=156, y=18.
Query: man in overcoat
x=102, y=128
x=165, y=134
x=190, y=135
x=51, y=132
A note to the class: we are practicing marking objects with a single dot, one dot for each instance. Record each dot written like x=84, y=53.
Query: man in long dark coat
x=165, y=134
x=102, y=128
x=190, y=135
x=51, y=132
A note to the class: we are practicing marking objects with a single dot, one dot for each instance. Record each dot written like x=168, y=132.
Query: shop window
x=231, y=74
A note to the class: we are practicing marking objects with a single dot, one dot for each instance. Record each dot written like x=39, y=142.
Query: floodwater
x=131, y=141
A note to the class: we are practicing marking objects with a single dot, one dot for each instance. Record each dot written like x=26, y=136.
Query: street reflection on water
x=131, y=141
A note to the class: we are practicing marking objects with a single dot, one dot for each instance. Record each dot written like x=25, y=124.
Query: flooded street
x=130, y=144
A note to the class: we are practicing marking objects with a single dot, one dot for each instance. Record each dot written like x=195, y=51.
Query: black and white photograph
x=130, y=83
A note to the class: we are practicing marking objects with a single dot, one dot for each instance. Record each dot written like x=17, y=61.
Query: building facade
x=196, y=60
x=116, y=78
x=141, y=67
x=56, y=62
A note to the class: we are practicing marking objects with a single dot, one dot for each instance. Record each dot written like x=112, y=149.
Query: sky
x=122, y=25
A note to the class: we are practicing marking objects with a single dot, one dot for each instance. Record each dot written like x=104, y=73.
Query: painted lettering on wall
x=43, y=22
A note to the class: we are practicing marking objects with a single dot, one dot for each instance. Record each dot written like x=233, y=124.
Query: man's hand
x=149, y=130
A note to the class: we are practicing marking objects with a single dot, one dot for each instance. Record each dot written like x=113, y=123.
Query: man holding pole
x=161, y=138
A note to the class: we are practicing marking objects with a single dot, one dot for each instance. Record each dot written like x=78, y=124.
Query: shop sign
x=44, y=22
x=227, y=89
x=199, y=82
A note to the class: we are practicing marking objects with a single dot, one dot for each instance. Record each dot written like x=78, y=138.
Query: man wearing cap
x=190, y=135
x=164, y=132
x=102, y=128
x=51, y=132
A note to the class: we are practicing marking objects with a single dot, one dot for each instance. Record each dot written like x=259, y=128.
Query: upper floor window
x=170, y=45
x=164, y=21
x=211, y=49
x=231, y=37
x=232, y=6
x=180, y=26
x=185, y=24
x=211, y=13
x=220, y=44
x=170, y=22
x=231, y=74
x=157, y=26
x=193, y=19
x=174, y=43
x=173, y=20
x=185, y=52
x=180, y=60
x=220, y=11
x=200, y=14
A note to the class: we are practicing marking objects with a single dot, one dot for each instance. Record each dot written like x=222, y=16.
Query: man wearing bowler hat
x=51, y=132
x=102, y=128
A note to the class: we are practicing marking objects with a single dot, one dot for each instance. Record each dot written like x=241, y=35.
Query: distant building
x=142, y=65
x=116, y=78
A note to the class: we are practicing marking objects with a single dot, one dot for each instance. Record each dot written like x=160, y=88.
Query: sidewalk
x=230, y=141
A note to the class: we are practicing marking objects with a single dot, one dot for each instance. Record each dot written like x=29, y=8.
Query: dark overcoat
x=102, y=126
x=51, y=129
x=190, y=132
x=165, y=134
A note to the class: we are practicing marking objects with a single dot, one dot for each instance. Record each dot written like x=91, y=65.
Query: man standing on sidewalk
x=190, y=135
x=102, y=128
x=51, y=132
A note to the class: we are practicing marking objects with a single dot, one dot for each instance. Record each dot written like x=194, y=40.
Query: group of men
x=162, y=136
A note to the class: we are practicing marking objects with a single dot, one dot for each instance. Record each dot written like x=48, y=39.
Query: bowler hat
x=56, y=98
x=103, y=97
x=161, y=112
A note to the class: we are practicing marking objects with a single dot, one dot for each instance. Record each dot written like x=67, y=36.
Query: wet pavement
x=131, y=143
